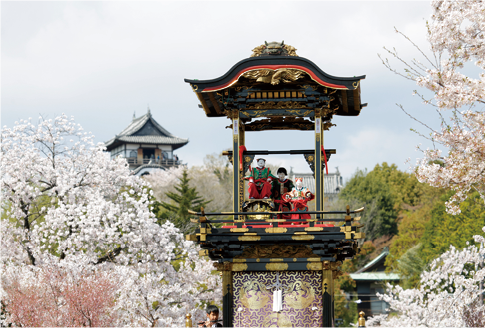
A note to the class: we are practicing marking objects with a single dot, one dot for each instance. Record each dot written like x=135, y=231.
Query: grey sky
x=101, y=61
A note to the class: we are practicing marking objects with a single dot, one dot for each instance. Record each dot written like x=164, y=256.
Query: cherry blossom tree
x=456, y=34
x=69, y=198
x=450, y=292
x=448, y=296
x=66, y=204
x=56, y=295
x=212, y=180
x=163, y=181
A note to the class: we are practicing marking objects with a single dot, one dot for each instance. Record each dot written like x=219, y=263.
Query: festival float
x=278, y=257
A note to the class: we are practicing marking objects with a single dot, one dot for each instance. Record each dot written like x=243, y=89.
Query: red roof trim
x=274, y=67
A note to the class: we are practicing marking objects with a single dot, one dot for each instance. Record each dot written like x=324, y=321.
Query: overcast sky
x=103, y=61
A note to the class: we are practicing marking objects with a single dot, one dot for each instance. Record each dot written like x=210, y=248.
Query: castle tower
x=146, y=145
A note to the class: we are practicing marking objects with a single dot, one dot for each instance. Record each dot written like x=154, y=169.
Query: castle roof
x=145, y=130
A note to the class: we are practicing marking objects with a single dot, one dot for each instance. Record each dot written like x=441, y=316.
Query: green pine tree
x=444, y=229
x=184, y=199
x=370, y=189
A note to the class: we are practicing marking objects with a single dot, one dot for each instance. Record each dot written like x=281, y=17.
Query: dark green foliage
x=373, y=191
x=384, y=191
x=444, y=229
x=344, y=309
x=184, y=199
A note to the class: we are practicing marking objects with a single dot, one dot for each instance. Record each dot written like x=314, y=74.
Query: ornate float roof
x=145, y=130
x=276, y=78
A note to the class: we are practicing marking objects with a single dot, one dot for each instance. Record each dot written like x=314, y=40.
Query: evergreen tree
x=444, y=229
x=385, y=192
x=183, y=199
x=372, y=191
x=412, y=221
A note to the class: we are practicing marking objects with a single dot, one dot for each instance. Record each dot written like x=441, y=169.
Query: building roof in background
x=332, y=182
x=375, y=262
x=145, y=130
x=375, y=276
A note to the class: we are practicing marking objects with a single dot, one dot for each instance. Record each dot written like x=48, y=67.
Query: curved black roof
x=145, y=130
x=319, y=76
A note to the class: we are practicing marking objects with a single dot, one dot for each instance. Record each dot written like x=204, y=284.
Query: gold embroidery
x=301, y=296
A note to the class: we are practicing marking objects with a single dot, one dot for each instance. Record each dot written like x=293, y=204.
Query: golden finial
x=188, y=320
x=361, y=319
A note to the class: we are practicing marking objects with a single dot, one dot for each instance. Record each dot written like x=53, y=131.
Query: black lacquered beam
x=268, y=222
x=316, y=230
x=269, y=213
x=278, y=266
x=281, y=152
x=282, y=260
x=276, y=237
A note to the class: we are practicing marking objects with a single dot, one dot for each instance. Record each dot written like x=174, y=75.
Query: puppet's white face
x=261, y=163
x=281, y=175
x=299, y=183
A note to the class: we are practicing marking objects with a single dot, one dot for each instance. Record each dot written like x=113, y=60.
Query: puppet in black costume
x=281, y=186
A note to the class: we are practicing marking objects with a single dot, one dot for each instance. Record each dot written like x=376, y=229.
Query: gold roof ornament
x=285, y=75
x=274, y=49
x=188, y=320
x=361, y=319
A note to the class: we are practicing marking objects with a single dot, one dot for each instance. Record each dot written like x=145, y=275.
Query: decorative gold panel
x=277, y=266
x=314, y=266
x=249, y=238
x=239, y=267
x=265, y=75
x=275, y=230
x=303, y=237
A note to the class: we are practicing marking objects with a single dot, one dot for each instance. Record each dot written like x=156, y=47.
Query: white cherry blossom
x=448, y=295
x=66, y=204
x=456, y=34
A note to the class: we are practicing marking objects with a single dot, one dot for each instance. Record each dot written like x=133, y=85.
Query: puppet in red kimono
x=260, y=181
x=281, y=186
x=299, y=196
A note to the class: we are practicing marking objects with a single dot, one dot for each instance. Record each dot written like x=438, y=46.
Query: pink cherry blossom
x=70, y=208
x=456, y=33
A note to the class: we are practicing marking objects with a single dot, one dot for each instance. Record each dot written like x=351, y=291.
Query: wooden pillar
x=139, y=157
x=242, y=140
x=318, y=163
x=227, y=295
x=158, y=154
x=322, y=199
x=327, y=297
x=236, y=133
